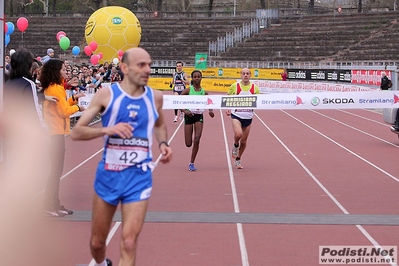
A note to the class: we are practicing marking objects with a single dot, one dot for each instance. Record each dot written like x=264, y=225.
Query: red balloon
x=88, y=51
x=5, y=27
x=93, y=45
x=59, y=35
x=120, y=53
x=94, y=59
x=22, y=24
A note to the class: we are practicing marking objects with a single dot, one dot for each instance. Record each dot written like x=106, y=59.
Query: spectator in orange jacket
x=57, y=117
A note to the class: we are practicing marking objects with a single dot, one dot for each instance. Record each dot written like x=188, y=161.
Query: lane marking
x=359, y=130
x=339, y=205
x=365, y=118
x=348, y=150
x=240, y=231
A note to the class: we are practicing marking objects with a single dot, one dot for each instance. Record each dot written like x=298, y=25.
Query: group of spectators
x=43, y=96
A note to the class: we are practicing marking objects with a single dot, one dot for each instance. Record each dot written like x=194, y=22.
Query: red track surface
x=290, y=155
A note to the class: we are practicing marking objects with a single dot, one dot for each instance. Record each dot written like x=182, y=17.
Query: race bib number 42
x=123, y=153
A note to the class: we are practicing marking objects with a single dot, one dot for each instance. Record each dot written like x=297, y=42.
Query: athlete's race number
x=128, y=157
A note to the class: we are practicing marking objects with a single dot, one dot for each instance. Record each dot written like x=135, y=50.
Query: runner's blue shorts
x=130, y=185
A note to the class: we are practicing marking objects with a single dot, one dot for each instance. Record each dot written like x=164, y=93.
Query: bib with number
x=123, y=153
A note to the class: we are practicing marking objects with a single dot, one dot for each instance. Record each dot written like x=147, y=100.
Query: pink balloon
x=5, y=27
x=100, y=55
x=59, y=35
x=93, y=45
x=22, y=24
x=38, y=58
x=94, y=59
x=88, y=51
x=120, y=53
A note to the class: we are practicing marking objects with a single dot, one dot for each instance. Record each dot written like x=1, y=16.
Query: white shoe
x=238, y=164
x=234, y=152
x=175, y=120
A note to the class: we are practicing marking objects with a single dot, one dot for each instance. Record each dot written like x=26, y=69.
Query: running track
x=310, y=178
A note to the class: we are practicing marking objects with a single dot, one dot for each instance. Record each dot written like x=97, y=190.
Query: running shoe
x=181, y=116
x=108, y=261
x=191, y=167
x=394, y=129
x=65, y=211
x=238, y=164
x=53, y=213
x=234, y=152
x=175, y=120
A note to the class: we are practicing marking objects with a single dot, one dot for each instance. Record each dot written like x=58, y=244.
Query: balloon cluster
x=63, y=40
x=89, y=49
x=22, y=25
x=64, y=43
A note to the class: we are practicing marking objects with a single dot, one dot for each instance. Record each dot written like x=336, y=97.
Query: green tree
x=311, y=6
x=97, y=3
x=263, y=4
x=159, y=5
x=210, y=8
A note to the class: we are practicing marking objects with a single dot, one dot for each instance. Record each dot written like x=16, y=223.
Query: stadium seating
x=339, y=37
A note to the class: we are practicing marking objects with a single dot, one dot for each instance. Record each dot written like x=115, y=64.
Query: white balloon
x=12, y=51
x=115, y=61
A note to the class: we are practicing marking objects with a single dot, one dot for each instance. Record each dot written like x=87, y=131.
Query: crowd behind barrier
x=269, y=80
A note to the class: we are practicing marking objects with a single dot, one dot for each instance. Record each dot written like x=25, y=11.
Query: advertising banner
x=201, y=60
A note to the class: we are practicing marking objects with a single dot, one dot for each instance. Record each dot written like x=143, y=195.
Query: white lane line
x=76, y=167
x=348, y=150
x=117, y=224
x=82, y=163
x=240, y=231
x=339, y=205
x=365, y=118
x=361, y=131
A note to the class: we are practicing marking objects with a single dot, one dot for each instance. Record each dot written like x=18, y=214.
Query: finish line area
x=311, y=177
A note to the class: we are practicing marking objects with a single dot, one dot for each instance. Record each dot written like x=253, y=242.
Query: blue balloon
x=6, y=39
x=75, y=50
x=11, y=28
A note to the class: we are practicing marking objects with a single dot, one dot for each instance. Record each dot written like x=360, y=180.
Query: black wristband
x=163, y=142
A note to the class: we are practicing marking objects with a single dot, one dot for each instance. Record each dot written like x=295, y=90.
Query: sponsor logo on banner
x=194, y=103
x=337, y=101
x=239, y=101
x=315, y=101
x=393, y=100
x=163, y=71
x=369, y=77
x=297, y=101
x=320, y=75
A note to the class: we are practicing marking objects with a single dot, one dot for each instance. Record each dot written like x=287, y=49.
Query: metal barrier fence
x=389, y=65
x=238, y=35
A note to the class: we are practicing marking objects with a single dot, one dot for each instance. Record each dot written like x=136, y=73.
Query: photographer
x=386, y=83
x=179, y=82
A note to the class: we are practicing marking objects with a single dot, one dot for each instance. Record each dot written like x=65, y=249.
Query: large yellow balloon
x=113, y=28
